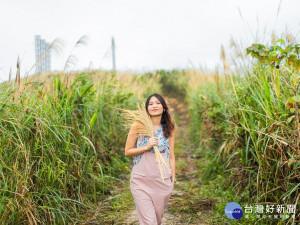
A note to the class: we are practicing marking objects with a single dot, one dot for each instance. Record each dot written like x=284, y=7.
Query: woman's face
x=155, y=108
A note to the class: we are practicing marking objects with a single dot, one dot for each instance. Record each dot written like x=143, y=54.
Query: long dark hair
x=167, y=123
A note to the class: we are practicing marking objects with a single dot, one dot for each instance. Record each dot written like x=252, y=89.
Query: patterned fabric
x=163, y=144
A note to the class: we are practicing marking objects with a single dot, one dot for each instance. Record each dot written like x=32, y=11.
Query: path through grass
x=191, y=201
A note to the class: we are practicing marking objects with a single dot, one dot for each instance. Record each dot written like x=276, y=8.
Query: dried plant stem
x=145, y=127
x=160, y=160
x=297, y=120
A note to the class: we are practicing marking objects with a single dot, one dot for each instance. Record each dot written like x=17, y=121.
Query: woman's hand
x=152, y=141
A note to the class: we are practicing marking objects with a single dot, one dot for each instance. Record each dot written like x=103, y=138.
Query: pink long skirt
x=151, y=196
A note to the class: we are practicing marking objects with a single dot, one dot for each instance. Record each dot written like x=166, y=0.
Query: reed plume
x=144, y=126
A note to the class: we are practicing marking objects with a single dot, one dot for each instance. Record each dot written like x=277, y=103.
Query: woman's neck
x=156, y=120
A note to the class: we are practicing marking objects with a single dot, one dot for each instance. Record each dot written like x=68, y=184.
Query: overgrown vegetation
x=252, y=131
x=173, y=83
x=62, y=141
x=60, y=151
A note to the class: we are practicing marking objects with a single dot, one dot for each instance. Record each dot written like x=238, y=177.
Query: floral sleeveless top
x=163, y=145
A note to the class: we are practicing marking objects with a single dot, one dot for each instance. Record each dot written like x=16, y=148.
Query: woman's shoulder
x=134, y=126
x=173, y=131
x=134, y=129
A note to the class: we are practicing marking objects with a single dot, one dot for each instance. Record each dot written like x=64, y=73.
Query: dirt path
x=185, y=174
x=186, y=206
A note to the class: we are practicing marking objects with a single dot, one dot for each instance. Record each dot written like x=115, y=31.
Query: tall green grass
x=252, y=135
x=173, y=83
x=60, y=150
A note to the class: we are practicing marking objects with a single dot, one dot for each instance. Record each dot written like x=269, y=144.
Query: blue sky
x=156, y=34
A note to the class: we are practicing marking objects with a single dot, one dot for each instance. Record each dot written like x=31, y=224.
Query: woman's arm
x=172, y=154
x=130, y=150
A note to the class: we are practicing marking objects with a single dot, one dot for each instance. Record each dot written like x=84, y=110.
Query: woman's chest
x=163, y=143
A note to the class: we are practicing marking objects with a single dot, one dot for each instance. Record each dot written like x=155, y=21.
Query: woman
x=150, y=193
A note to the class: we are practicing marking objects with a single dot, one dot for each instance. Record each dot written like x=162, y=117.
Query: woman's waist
x=151, y=170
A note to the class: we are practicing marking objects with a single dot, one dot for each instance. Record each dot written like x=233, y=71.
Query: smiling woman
x=151, y=194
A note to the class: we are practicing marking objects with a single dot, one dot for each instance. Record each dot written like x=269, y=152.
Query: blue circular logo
x=233, y=210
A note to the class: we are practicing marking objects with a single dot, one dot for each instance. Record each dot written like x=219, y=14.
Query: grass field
x=62, y=142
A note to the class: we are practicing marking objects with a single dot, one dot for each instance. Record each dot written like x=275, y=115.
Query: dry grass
x=144, y=126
